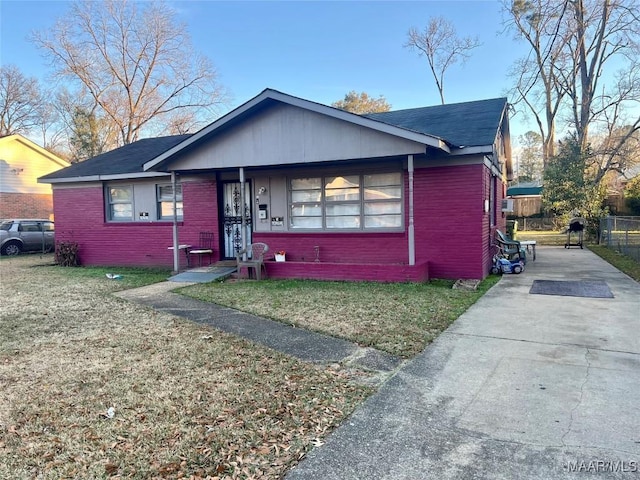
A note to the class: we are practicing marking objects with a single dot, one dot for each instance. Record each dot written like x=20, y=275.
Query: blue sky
x=315, y=50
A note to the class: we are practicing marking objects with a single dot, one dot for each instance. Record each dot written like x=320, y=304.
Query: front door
x=232, y=213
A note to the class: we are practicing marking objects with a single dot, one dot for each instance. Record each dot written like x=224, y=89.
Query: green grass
x=543, y=238
x=622, y=262
x=132, y=277
x=400, y=318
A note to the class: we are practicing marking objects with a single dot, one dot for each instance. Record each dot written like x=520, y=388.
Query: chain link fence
x=621, y=234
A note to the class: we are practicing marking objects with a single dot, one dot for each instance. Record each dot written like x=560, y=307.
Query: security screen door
x=232, y=212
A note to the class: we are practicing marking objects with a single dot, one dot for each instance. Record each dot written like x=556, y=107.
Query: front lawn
x=188, y=401
x=400, y=318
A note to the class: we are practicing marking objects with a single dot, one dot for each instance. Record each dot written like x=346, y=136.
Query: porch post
x=176, y=252
x=243, y=223
x=411, y=230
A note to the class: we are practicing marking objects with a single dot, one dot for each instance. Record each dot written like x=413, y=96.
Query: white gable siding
x=21, y=165
x=284, y=134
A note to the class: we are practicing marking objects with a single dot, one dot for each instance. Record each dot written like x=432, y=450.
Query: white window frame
x=169, y=200
x=362, y=203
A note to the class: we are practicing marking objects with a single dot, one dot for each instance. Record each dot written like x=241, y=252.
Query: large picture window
x=164, y=196
x=349, y=202
x=120, y=200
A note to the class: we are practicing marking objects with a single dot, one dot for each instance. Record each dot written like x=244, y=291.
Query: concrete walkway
x=300, y=343
x=521, y=386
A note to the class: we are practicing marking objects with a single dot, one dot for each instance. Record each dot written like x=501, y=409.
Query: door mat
x=583, y=288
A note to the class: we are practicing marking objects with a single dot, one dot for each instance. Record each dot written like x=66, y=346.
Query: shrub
x=67, y=254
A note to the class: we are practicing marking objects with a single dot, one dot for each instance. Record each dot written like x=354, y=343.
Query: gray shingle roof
x=461, y=124
x=127, y=159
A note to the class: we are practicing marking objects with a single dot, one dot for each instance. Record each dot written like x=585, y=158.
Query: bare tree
x=442, y=47
x=20, y=102
x=361, y=103
x=539, y=24
x=582, y=69
x=135, y=61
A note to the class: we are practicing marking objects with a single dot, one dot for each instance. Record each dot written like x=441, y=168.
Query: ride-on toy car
x=503, y=265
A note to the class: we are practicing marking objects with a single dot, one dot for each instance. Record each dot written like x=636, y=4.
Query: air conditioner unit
x=507, y=205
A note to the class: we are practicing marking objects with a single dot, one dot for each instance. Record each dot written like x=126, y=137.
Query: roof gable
x=284, y=134
x=6, y=141
x=447, y=128
x=266, y=98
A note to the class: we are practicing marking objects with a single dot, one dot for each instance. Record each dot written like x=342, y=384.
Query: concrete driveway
x=522, y=386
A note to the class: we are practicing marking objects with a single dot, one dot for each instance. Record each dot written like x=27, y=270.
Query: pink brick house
x=406, y=195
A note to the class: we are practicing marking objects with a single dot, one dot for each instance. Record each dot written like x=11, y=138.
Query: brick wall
x=348, y=271
x=79, y=214
x=453, y=233
x=26, y=205
x=450, y=224
x=339, y=247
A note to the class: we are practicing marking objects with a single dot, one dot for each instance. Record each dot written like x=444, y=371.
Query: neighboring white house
x=21, y=163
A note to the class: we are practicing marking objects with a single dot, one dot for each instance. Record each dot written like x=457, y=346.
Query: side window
x=120, y=203
x=48, y=226
x=29, y=227
x=164, y=198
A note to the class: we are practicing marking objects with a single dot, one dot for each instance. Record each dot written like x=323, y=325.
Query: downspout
x=243, y=233
x=411, y=231
x=176, y=252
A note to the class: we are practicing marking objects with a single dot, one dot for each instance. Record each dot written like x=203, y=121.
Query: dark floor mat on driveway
x=582, y=288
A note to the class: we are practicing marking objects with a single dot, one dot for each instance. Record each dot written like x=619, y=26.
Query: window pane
x=342, y=188
x=165, y=193
x=383, y=221
x=382, y=208
x=120, y=194
x=306, y=196
x=314, y=210
x=383, y=179
x=342, y=194
x=306, y=222
x=343, y=222
x=345, y=209
x=166, y=210
x=342, y=182
x=382, y=193
x=48, y=227
x=306, y=183
x=121, y=211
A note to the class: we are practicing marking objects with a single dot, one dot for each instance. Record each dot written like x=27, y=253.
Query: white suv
x=26, y=235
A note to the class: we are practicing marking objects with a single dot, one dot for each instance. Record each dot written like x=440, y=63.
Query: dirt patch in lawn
x=92, y=386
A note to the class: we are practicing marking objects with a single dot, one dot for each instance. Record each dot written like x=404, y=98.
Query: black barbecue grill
x=575, y=229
